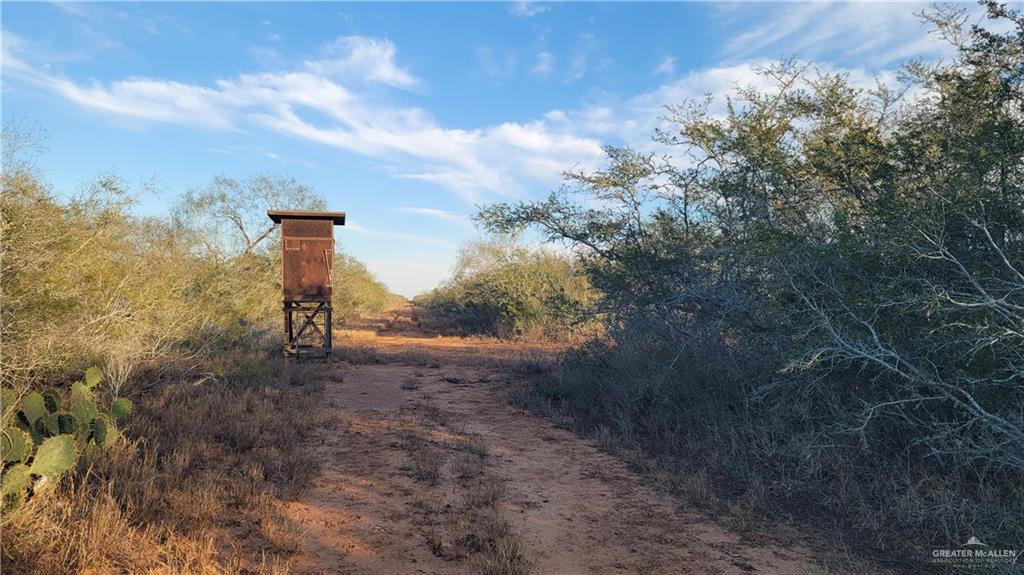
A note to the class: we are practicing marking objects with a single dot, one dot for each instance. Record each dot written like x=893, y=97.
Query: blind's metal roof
x=277, y=215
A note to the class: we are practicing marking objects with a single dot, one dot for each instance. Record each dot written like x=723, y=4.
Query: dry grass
x=484, y=493
x=194, y=487
x=427, y=464
x=477, y=446
x=485, y=538
x=431, y=412
x=505, y=556
x=468, y=527
x=426, y=460
x=466, y=466
x=885, y=507
x=414, y=357
x=356, y=354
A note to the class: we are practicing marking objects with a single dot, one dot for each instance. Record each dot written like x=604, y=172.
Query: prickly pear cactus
x=55, y=456
x=32, y=408
x=120, y=407
x=42, y=434
x=58, y=423
x=8, y=402
x=12, y=487
x=15, y=445
x=51, y=400
x=93, y=376
x=99, y=432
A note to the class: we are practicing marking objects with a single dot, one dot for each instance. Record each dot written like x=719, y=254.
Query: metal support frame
x=312, y=338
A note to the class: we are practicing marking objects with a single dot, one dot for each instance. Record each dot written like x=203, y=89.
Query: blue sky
x=405, y=115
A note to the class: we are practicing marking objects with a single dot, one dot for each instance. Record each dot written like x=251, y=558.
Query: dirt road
x=427, y=468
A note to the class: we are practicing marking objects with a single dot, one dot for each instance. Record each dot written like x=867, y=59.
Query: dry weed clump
x=485, y=538
x=357, y=354
x=200, y=464
x=431, y=413
x=426, y=460
x=418, y=357
x=483, y=493
x=466, y=466
x=465, y=522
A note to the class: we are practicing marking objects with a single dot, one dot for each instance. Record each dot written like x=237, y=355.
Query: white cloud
x=351, y=57
x=586, y=57
x=556, y=116
x=463, y=221
x=870, y=33
x=267, y=58
x=154, y=100
x=544, y=64
x=317, y=104
x=322, y=101
x=493, y=64
x=666, y=67
x=527, y=9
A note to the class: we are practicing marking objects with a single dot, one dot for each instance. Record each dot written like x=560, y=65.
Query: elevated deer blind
x=307, y=258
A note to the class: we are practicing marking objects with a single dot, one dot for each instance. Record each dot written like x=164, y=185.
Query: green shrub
x=503, y=289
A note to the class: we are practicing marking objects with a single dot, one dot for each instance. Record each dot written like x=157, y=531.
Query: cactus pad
x=67, y=423
x=15, y=445
x=93, y=376
x=32, y=408
x=99, y=432
x=84, y=410
x=12, y=488
x=51, y=400
x=7, y=401
x=55, y=456
x=120, y=407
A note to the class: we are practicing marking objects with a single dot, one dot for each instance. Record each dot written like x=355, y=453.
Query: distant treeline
x=85, y=281
x=813, y=295
x=504, y=289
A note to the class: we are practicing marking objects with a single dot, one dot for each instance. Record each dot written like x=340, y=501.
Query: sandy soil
x=570, y=507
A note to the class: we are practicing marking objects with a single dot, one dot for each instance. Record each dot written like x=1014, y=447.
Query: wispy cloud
x=870, y=33
x=351, y=57
x=321, y=102
x=587, y=57
x=495, y=65
x=527, y=9
x=336, y=101
x=267, y=57
x=438, y=214
x=666, y=67
x=96, y=20
x=544, y=63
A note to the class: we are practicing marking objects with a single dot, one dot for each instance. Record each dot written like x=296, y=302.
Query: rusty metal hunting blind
x=307, y=259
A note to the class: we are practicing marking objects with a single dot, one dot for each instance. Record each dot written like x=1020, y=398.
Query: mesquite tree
x=866, y=245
